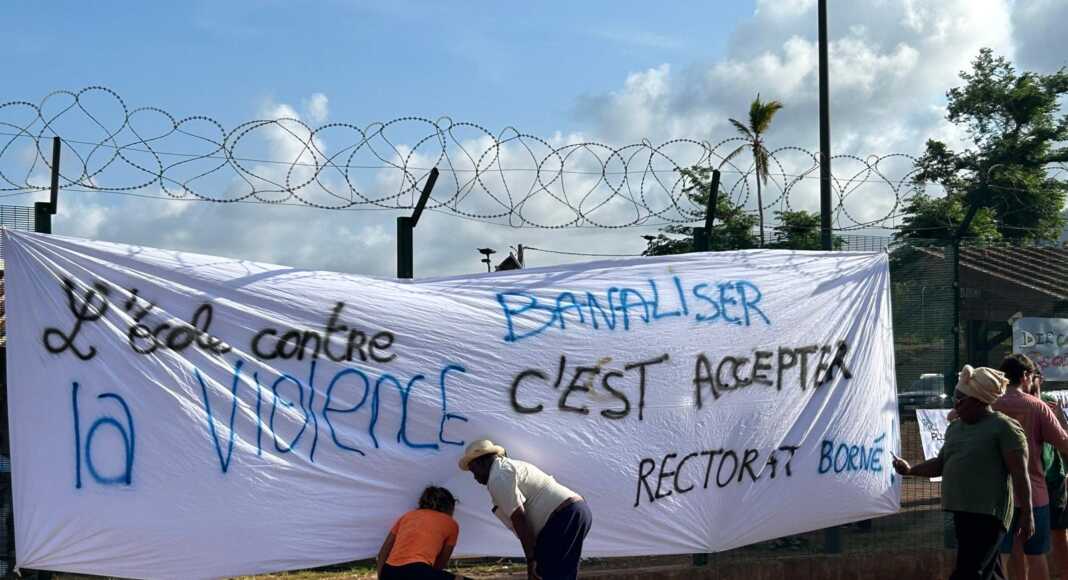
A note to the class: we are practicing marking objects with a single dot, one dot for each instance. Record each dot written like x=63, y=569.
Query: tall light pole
x=825, y=134
x=487, y=252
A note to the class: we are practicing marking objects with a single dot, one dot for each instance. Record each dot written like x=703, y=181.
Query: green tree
x=800, y=230
x=760, y=115
x=1014, y=125
x=733, y=229
x=939, y=218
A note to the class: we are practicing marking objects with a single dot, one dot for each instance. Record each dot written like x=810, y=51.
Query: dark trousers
x=417, y=571
x=559, y=546
x=978, y=539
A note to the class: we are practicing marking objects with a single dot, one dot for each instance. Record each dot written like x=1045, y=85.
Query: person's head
x=479, y=457
x=438, y=499
x=1036, y=381
x=1018, y=369
x=976, y=389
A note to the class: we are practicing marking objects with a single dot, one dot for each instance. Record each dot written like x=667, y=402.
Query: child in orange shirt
x=420, y=544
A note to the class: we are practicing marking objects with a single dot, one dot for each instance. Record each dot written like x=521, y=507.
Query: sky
x=617, y=73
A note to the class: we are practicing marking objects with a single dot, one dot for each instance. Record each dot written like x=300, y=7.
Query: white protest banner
x=933, y=424
x=1045, y=341
x=1060, y=396
x=185, y=416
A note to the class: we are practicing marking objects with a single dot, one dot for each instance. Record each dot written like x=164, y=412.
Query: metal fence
x=952, y=304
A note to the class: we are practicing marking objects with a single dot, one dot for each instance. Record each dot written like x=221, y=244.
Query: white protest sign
x=1045, y=341
x=185, y=416
x=933, y=424
x=1061, y=396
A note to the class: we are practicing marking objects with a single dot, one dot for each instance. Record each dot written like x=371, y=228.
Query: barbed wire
x=510, y=177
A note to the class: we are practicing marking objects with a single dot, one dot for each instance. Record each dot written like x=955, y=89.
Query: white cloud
x=1039, y=27
x=318, y=108
x=891, y=64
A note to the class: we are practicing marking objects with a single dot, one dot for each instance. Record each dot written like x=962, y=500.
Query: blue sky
x=495, y=63
x=617, y=73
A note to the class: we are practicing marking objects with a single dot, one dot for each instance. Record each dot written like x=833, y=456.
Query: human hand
x=901, y=466
x=1027, y=524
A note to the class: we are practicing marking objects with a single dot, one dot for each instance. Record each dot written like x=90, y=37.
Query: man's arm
x=383, y=552
x=1016, y=461
x=525, y=531
x=929, y=468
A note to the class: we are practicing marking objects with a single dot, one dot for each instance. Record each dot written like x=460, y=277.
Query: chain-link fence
x=951, y=305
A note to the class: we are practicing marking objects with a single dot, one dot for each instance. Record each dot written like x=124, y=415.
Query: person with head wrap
x=1027, y=559
x=983, y=464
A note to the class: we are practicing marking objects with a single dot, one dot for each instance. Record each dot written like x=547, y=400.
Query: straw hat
x=477, y=449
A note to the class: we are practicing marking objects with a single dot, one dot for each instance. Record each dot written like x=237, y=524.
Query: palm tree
x=760, y=116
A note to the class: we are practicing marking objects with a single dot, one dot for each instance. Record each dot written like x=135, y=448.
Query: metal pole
x=949, y=379
x=710, y=209
x=44, y=210
x=702, y=237
x=406, y=227
x=702, y=243
x=825, y=134
x=700, y=240
x=832, y=537
x=55, y=174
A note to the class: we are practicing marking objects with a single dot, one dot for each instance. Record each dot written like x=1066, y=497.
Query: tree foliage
x=1015, y=129
x=734, y=228
x=800, y=230
x=760, y=115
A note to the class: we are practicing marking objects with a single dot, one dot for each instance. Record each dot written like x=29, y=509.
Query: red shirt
x=1040, y=426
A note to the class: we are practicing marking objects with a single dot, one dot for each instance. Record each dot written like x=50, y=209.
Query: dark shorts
x=1039, y=543
x=417, y=571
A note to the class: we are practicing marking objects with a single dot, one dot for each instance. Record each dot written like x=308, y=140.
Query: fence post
x=44, y=210
x=950, y=379
x=406, y=227
x=404, y=247
x=700, y=240
x=42, y=217
x=832, y=540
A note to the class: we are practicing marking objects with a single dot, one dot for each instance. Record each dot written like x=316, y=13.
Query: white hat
x=477, y=449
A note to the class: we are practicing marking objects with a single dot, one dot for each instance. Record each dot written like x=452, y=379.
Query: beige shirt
x=515, y=483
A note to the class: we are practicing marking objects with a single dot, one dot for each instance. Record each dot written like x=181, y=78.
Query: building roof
x=1046, y=268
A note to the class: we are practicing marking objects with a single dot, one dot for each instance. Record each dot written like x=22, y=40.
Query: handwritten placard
x=188, y=416
x=933, y=424
x=1045, y=341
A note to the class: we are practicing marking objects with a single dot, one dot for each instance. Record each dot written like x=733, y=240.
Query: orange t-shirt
x=419, y=536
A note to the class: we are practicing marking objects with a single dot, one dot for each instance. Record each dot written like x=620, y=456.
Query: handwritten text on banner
x=184, y=416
